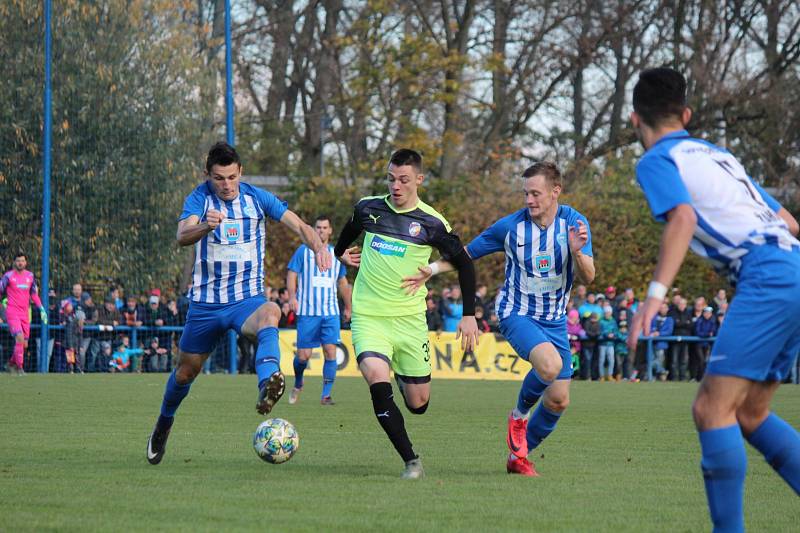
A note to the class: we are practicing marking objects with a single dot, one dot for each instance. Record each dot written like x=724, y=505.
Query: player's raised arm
x=584, y=264
x=678, y=232
x=350, y=232
x=191, y=229
x=309, y=237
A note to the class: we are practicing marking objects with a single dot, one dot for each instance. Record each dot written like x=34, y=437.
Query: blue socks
x=724, y=467
x=542, y=423
x=780, y=444
x=532, y=389
x=268, y=354
x=328, y=375
x=299, y=368
x=173, y=396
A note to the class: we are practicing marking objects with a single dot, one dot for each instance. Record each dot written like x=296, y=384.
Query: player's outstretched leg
x=328, y=377
x=724, y=459
x=271, y=383
x=375, y=369
x=533, y=386
x=178, y=385
x=300, y=364
x=777, y=441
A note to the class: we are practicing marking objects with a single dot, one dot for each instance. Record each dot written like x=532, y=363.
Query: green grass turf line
x=624, y=458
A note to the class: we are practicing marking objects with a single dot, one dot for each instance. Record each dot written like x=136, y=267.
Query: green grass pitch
x=624, y=458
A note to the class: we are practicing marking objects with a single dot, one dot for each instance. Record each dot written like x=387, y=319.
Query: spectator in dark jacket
x=108, y=317
x=589, y=346
x=679, y=351
x=705, y=326
x=432, y=316
x=661, y=326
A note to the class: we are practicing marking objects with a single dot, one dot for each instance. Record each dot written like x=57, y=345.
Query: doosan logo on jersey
x=388, y=248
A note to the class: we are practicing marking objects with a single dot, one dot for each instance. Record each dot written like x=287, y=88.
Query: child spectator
x=621, y=348
x=156, y=356
x=608, y=337
x=592, y=329
x=104, y=358
x=126, y=358
x=661, y=326
x=483, y=325
x=705, y=326
x=73, y=327
x=575, y=333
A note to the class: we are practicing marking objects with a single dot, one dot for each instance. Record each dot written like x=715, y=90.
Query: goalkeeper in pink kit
x=19, y=286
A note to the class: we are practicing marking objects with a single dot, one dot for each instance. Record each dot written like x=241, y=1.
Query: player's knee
x=750, y=417
x=549, y=368
x=269, y=315
x=557, y=404
x=418, y=410
x=187, y=371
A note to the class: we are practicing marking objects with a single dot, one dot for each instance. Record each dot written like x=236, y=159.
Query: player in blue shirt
x=710, y=204
x=546, y=246
x=315, y=299
x=225, y=220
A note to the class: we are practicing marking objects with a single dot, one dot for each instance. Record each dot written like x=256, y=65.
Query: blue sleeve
x=270, y=204
x=342, y=271
x=491, y=240
x=194, y=204
x=767, y=197
x=662, y=185
x=296, y=262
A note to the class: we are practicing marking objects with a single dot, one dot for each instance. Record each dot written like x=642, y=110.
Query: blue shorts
x=315, y=330
x=205, y=323
x=760, y=335
x=524, y=333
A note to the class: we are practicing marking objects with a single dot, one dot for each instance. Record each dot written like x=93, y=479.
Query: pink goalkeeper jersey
x=20, y=288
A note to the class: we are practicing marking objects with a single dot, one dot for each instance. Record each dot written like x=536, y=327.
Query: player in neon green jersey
x=389, y=327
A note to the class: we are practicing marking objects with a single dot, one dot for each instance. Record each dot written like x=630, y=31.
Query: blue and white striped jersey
x=229, y=261
x=734, y=214
x=539, y=271
x=317, y=292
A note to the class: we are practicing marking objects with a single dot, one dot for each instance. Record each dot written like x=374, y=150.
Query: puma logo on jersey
x=374, y=218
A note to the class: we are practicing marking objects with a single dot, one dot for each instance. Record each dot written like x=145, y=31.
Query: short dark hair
x=406, y=156
x=222, y=154
x=322, y=216
x=548, y=169
x=20, y=254
x=660, y=94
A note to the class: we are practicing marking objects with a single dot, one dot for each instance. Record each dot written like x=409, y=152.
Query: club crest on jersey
x=388, y=248
x=562, y=238
x=231, y=231
x=544, y=262
x=249, y=211
x=414, y=228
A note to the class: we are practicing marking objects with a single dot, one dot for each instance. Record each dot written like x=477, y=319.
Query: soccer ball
x=276, y=440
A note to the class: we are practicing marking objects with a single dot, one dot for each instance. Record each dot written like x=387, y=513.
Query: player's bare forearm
x=303, y=230
x=794, y=227
x=190, y=230
x=346, y=292
x=444, y=266
x=291, y=284
x=584, y=267
x=678, y=232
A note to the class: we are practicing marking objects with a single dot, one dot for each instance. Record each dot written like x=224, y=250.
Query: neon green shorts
x=402, y=339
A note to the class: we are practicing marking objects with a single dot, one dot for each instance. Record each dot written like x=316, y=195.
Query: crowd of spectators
x=597, y=326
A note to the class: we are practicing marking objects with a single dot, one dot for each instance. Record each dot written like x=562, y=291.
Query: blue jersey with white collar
x=734, y=214
x=539, y=270
x=229, y=261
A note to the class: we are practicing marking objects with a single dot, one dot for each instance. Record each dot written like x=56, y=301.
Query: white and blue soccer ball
x=276, y=440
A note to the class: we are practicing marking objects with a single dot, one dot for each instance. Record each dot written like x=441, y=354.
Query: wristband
x=657, y=290
x=434, y=268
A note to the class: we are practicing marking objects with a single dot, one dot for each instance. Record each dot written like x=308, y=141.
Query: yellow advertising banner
x=494, y=357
